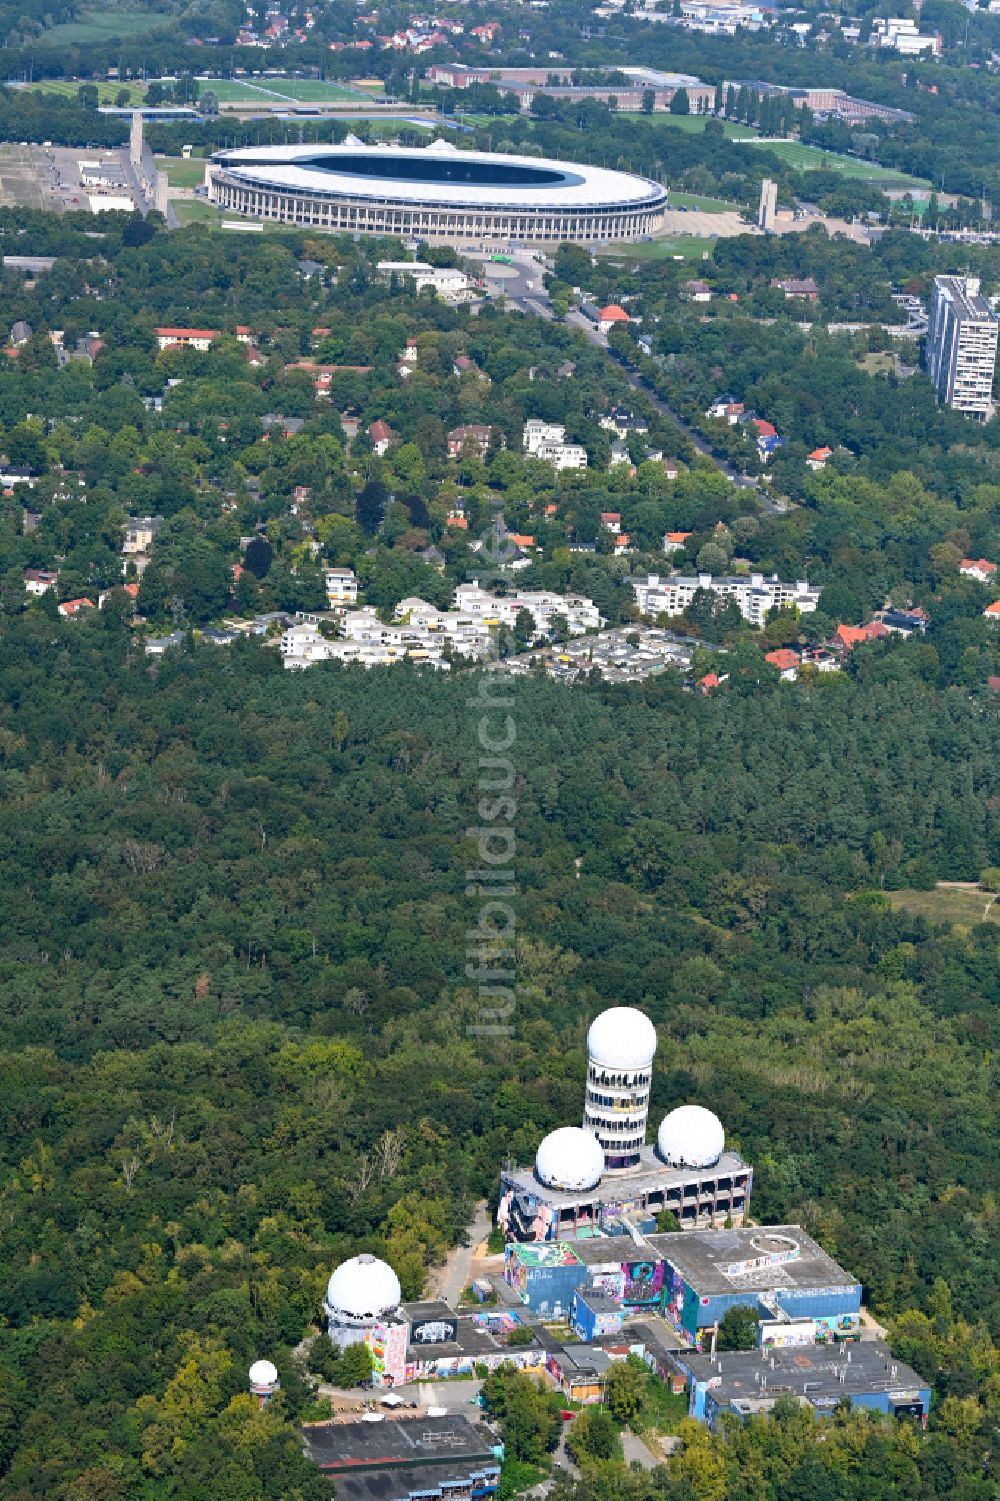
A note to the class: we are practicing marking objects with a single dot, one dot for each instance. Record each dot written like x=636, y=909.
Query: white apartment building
x=900, y=34
x=537, y=432
x=341, y=586
x=580, y=613
x=303, y=646
x=754, y=594
x=447, y=281
x=961, y=349
x=547, y=441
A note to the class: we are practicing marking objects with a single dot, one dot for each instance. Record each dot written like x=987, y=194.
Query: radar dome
x=690, y=1136
x=622, y=1038
x=363, y=1288
x=263, y=1373
x=570, y=1158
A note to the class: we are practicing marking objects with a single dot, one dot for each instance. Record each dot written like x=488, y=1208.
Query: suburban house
x=786, y=661
x=611, y=316
x=674, y=541
x=38, y=580
x=698, y=291
x=794, y=286
x=186, y=338
x=72, y=607
x=382, y=437
x=980, y=569
x=140, y=532
x=471, y=438
x=817, y=459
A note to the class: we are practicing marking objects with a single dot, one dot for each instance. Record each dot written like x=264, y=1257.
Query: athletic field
x=812, y=159
x=281, y=91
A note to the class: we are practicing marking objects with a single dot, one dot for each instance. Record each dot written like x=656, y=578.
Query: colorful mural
x=643, y=1283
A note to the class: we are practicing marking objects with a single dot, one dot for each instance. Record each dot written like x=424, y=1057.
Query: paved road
x=521, y=282
x=451, y=1280
x=636, y=381
x=637, y=1453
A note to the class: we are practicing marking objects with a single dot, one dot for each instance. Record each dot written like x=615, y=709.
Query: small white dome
x=690, y=1136
x=263, y=1373
x=571, y=1159
x=363, y=1288
x=622, y=1038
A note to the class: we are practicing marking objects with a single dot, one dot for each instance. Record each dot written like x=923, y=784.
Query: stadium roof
x=439, y=175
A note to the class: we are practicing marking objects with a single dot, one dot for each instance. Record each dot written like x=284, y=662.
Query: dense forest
x=232, y=965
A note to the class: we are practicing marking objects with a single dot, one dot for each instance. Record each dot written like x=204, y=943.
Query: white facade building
x=900, y=34
x=961, y=349
x=547, y=441
x=447, y=281
x=754, y=595
x=341, y=586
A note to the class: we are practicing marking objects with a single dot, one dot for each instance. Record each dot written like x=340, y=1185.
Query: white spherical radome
x=690, y=1136
x=571, y=1159
x=622, y=1038
x=263, y=1373
x=363, y=1288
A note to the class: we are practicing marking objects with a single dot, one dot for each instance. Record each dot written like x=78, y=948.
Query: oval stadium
x=435, y=192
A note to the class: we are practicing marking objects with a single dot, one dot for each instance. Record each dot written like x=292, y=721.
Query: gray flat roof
x=650, y=1175
x=755, y=1258
x=419, y=1313
x=396, y=1441
x=809, y=1371
x=399, y=1485
x=471, y=1339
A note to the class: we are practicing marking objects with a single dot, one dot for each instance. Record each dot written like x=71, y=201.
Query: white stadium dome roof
x=263, y=1373
x=570, y=1158
x=363, y=1288
x=690, y=1136
x=622, y=1038
x=440, y=175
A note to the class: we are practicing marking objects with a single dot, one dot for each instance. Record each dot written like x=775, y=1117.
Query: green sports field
x=182, y=173
x=105, y=26
x=278, y=90
x=693, y=124
x=689, y=247
x=107, y=93
x=811, y=159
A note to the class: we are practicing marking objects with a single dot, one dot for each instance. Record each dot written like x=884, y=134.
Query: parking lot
x=49, y=177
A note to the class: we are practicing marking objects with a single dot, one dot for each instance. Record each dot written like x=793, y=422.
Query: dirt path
x=449, y=1281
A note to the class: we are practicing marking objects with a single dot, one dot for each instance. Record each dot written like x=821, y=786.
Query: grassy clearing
x=181, y=173
x=949, y=905
x=106, y=26
x=661, y=1410
x=812, y=158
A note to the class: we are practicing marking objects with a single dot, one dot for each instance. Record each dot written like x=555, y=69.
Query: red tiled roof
x=613, y=314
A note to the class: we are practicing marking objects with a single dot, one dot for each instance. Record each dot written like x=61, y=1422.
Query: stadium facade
x=435, y=193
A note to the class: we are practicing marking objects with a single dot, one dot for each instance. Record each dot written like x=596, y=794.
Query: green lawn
x=294, y=90
x=662, y=1410
x=197, y=211
x=107, y=93
x=811, y=158
x=694, y=124
x=948, y=904
x=690, y=247
x=106, y=26
x=706, y=205
x=181, y=173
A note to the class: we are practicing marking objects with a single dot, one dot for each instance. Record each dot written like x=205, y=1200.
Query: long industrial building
x=436, y=193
